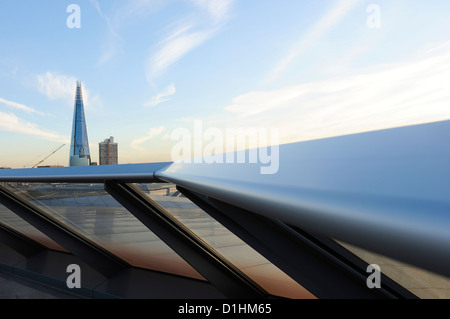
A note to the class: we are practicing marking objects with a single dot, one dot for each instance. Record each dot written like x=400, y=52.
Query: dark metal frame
x=25, y=246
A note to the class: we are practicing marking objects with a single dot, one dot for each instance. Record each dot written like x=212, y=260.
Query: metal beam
x=97, y=257
x=22, y=244
x=210, y=264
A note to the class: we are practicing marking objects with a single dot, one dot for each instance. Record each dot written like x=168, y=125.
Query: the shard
x=79, y=147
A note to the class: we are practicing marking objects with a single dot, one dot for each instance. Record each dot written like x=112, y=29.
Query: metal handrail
x=132, y=173
x=386, y=191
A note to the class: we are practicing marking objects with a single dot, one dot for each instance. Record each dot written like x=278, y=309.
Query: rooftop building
x=108, y=152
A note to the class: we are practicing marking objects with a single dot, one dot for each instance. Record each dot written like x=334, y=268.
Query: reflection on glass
x=225, y=242
x=89, y=210
x=422, y=283
x=15, y=222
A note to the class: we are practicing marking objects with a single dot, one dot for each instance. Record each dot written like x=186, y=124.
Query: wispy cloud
x=116, y=20
x=412, y=92
x=175, y=46
x=96, y=5
x=62, y=87
x=11, y=123
x=188, y=34
x=18, y=106
x=218, y=10
x=162, y=96
x=113, y=42
x=56, y=86
x=133, y=9
x=313, y=35
x=153, y=132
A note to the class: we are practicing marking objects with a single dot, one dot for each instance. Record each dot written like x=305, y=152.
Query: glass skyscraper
x=79, y=147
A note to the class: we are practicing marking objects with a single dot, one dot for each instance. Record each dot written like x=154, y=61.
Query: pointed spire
x=79, y=148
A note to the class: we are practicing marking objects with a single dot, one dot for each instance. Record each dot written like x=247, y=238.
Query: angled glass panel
x=8, y=218
x=89, y=210
x=422, y=283
x=245, y=258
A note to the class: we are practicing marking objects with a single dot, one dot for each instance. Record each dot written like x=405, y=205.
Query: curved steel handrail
x=387, y=191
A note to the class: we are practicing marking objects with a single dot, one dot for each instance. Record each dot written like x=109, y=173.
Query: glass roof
x=89, y=210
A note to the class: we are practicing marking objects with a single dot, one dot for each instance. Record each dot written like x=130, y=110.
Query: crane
x=53, y=152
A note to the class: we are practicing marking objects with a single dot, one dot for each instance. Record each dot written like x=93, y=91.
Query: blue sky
x=311, y=69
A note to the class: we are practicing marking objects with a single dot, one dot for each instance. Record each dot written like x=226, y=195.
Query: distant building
x=108, y=152
x=79, y=148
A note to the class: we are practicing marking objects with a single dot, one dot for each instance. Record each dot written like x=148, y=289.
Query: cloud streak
x=153, y=132
x=18, y=106
x=218, y=9
x=189, y=34
x=11, y=123
x=162, y=96
x=392, y=95
x=113, y=40
x=333, y=17
x=62, y=87
x=175, y=46
x=56, y=86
